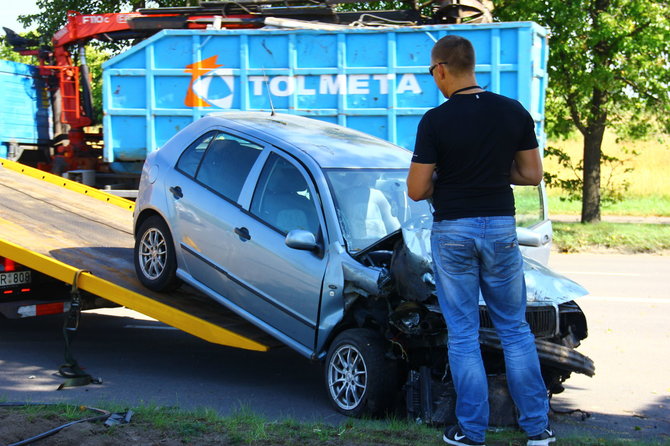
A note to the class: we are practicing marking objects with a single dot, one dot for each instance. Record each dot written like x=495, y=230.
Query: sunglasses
x=432, y=68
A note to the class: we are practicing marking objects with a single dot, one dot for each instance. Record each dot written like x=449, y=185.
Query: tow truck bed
x=59, y=227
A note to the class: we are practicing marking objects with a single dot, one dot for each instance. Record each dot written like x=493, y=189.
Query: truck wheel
x=155, y=259
x=359, y=378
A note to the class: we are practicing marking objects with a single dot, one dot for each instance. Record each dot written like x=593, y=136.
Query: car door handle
x=176, y=191
x=243, y=233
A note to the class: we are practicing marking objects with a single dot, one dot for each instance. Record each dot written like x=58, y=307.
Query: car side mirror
x=527, y=237
x=301, y=239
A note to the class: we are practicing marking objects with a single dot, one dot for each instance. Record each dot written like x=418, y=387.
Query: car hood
x=412, y=269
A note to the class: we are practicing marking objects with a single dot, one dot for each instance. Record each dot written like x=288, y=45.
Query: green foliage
x=613, y=190
x=619, y=47
x=375, y=6
x=95, y=58
x=608, y=68
x=425, y=10
x=571, y=186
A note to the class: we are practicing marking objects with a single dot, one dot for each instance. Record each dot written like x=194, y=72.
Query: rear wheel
x=359, y=378
x=154, y=254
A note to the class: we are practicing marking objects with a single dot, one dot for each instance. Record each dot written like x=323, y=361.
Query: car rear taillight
x=8, y=265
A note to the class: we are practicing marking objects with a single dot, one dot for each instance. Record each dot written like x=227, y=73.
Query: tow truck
x=38, y=258
x=84, y=237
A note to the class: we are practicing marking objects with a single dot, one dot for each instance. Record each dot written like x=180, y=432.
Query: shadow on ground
x=651, y=422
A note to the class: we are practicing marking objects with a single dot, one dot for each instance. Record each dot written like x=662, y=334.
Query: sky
x=11, y=9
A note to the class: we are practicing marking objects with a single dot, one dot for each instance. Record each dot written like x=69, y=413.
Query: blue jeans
x=469, y=255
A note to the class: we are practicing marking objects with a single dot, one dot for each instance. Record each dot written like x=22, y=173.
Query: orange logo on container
x=197, y=70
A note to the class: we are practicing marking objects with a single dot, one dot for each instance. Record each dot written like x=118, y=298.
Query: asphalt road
x=142, y=361
x=628, y=313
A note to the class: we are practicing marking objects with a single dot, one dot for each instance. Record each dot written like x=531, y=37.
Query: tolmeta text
x=334, y=84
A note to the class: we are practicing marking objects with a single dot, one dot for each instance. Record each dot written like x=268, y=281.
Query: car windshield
x=372, y=203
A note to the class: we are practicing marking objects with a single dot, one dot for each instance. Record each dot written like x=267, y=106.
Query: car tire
x=154, y=255
x=360, y=380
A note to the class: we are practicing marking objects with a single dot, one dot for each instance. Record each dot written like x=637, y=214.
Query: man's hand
x=420, y=181
x=526, y=168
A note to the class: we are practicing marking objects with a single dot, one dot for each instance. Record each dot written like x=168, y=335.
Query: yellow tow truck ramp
x=59, y=227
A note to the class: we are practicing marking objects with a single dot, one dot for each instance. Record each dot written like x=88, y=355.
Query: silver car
x=304, y=228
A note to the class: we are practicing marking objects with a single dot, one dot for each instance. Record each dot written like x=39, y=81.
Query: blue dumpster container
x=25, y=115
x=374, y=80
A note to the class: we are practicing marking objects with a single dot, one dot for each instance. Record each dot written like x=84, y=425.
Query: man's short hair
x=457, y=52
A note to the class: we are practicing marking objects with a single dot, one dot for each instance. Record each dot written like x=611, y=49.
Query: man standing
x=468, y=151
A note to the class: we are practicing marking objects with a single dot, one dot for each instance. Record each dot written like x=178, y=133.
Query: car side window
x=190, y=159
x=283, y=199
x=529, y=206
x=227, y=163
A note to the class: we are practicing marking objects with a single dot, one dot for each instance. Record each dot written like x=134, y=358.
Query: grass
x=245, y=427
x=650, y=167
x=649, y=161
x=638, y=206
x=647, y=196
x=626, y=237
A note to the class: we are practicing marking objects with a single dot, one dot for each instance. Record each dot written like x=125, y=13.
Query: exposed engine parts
x=392, y=289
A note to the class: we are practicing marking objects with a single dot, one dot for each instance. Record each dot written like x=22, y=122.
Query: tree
x=609, y=67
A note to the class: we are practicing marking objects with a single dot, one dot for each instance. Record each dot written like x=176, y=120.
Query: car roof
x=330, y=145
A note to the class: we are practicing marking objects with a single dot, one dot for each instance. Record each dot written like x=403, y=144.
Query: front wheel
x=154, y=254
x=359, y=378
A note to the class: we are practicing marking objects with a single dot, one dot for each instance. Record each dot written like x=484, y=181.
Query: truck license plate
x=14, y=278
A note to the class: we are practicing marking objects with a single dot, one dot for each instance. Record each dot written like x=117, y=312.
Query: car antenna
x=267, y=86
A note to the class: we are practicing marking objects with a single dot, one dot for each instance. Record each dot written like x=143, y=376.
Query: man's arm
x=526, y=168
x=420, y=181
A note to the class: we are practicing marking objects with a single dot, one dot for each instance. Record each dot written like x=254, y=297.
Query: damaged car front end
x=390, y=288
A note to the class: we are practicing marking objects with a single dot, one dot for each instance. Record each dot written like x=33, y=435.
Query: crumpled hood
x=412, y=269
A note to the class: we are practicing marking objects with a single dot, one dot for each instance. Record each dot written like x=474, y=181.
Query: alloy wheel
x=347, y=377
x=152, y=254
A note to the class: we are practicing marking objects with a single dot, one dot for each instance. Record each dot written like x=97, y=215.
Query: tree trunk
x=593, y=140
x=594, y=130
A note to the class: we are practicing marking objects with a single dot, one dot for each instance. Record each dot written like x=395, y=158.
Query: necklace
x=471, y=87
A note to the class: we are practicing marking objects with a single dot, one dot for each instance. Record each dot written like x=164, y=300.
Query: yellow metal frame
x=68, y=184
x=123, y=296
x=108, y=290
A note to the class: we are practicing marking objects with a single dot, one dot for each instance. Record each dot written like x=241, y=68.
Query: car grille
x=542, y=320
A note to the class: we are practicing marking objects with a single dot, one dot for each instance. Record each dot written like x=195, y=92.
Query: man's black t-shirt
x=472, y=139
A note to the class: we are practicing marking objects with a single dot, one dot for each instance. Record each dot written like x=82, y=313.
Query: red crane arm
x=84, y=27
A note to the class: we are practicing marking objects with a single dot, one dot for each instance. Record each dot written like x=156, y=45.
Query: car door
x=278, y=284
x=204, y=188
x=534, y=228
